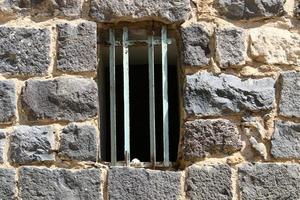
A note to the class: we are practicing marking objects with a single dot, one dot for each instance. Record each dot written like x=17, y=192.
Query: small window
x=139, y=95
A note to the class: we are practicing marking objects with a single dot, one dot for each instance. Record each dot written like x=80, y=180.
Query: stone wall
x=240, y=135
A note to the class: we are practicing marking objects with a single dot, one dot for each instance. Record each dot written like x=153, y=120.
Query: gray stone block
x=297, y=8
x=209, y=182
x=78, y=143
x=269, y=181
x=31, y=144
x=166, y=10
x=230, y=46
x=195, y=39
x=205, y=137
x=247, y=9
x=131, y=183
x=68, y=99
x=290, y=94
x=60, y=184
x=8, y=101
x=68, y=8
x=2, y=145
x=24, y=50
x=77, y=47
x=286, y=140
x=7, y=184
x=209, y=95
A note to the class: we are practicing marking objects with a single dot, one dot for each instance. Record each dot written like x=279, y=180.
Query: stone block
x=77, y=47
x=209, y=95
x=269, y=181
x=31, y=144
x=7, y=184
x=2, y=145
x=8, y=102
x=297, y=8
x=67, y=99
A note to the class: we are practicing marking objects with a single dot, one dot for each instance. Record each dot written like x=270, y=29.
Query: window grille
x=163, y=41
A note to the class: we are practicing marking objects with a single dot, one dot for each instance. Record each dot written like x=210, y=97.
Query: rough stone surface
x=166, y=10
x=69, y=99
x=24, y=50
x=7, y=184
x=77, y=47
x=275, y=46
x=204, y=137
x=209, y=182
x=209, y=95
x=130, y=183
x=68, y=8
x=269, y=181
x=195, y=39
x=230, y=46
x=43, y=183
x=7, y=101
x=31, y=144
x=297, y=8
x=286, y=140
x=290, y=94
x=78, y=143
x=246, y=9
x=2, y=145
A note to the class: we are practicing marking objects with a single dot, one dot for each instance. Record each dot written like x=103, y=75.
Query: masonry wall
x=240, y=100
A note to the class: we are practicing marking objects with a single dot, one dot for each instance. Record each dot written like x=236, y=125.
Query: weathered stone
x=195, y=39
x=204, y=137
x=77, y=47
x=78, y=143
x=68, y=8
x=2, y=145
x=31, y=144
x=131, y=183
x=43, y=183
x=297, y=8
x=69, y=99
x=209, y=182
x=290, y=94
x=246, y=9
x=24, y=50
x=230, y=46
x=269, y=181
x=209, y=95
x=7, y=101
x=286, y=140
x=275, y=46
x=7, y=184
x=166, y=10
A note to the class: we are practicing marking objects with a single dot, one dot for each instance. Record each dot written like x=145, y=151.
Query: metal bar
x=152, y=100
x=112, y=75
x=164, y=51
x=126, y=97
x=136, y=42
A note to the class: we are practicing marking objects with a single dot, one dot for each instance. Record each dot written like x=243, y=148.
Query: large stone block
x=209, y=95
x=205, y=137
x=31, y=144
x=68, y=8
x=275, y=46
x=77, y=47
x=166, y=10
x=289, y=105
x=2, y=145
x=246, y=9
x=196, y=40
x=209, y=182
x=286, y=140
x=297, y=8
x=8, y=101
x=7, y=184
x=130, y=183
x=78, y=143
x=230, y=46
x=269, y=181
x=24, y=50
x=43, y=183
x=68, y=99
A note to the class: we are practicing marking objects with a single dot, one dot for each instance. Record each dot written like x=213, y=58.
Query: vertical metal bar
x=164, y=51
x=126, y=97
x=151, y=100
x=112, y=75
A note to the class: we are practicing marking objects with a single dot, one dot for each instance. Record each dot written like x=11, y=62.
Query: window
x=139, y=85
